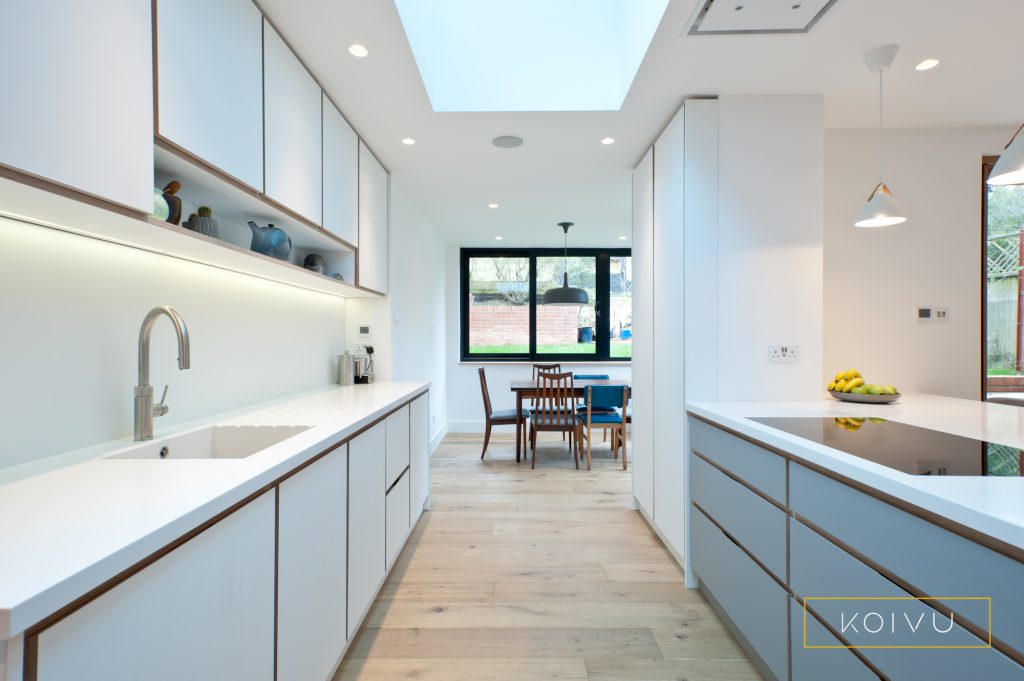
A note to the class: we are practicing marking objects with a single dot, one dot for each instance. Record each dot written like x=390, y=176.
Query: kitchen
x=736, y=211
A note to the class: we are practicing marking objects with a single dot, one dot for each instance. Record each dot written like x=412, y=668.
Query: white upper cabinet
x=373, y=222
x=293, y=130
x=77, y=84
x=341, y=175
x=210, y=83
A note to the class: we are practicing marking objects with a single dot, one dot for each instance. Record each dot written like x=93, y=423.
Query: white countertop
x=991, y=505
x=65, y=532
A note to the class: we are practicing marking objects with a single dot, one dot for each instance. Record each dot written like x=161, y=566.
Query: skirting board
x=664, y=542
x=471, y=426
x=436, y=439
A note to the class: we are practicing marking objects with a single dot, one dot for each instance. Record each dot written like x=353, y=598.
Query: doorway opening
x=1002, y=290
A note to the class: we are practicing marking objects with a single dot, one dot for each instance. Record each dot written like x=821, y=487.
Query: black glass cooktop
x=910, y=449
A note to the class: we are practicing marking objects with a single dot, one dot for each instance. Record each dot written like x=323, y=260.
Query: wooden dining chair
x=599, y=399
x=548, y=368
x=501, y=417
x=555, y=412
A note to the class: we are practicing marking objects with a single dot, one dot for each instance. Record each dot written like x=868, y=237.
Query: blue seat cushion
x=501, y=414
x=604, y=417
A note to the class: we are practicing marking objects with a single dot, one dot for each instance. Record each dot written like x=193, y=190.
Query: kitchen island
x=165, y=567
x=791, y=535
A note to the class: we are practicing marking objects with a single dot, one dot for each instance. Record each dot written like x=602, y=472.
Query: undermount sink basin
x=214, y=442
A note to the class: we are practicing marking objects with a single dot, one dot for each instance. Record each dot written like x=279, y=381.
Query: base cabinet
x=419, y=457
x=366, y=522
x=203, y=612
x=397, y=518
x=311, y=569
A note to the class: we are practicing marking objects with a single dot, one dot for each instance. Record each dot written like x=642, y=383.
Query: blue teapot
x=270, y=240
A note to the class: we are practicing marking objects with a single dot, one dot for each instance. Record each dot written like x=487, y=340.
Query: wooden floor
x=524, y=575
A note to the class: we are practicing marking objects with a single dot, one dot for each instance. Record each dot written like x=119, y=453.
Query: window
x=502, y=318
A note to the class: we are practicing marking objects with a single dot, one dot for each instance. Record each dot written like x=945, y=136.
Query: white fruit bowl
x=864, y=399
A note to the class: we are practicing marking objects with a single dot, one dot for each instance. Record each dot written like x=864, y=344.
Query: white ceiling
x=564, y=173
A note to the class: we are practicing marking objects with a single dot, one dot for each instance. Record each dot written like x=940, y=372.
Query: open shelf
x=234, y=204
x=39, y=204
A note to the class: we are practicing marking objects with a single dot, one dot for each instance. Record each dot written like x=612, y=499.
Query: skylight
x=529, y=55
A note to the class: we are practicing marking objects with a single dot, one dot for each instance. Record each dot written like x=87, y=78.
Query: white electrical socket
x=784, y=354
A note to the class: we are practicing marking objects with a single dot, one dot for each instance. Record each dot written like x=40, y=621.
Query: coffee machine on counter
x=356, y=369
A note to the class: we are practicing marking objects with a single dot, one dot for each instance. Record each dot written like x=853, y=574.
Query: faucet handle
x=161, y=407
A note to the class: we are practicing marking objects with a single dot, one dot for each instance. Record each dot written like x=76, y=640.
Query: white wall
x=771, y=156
x=71, y=311
x=409, y=336
x=465, y=405
x=874, y=279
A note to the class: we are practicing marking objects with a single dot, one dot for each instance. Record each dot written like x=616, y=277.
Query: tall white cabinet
x=210, y=83
x=293, y=110
x=642, y=429
x=77, y=83
x=373, y=222
x=341, y=175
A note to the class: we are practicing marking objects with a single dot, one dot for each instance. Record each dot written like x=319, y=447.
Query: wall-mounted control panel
x=930, y=313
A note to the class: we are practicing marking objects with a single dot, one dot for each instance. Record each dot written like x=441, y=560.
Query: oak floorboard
x=520, y=574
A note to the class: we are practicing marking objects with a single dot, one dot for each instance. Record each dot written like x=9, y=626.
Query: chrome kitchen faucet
x=145, y=410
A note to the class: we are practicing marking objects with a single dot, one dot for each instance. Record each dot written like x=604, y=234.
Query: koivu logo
x=876, y=623
x=897, y=622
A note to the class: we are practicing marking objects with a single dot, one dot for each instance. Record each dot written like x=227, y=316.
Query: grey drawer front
x=932, y=559
x=818, y=664
x=820, y=568
x=759, y=467
x=752, y=521
x=755, y=603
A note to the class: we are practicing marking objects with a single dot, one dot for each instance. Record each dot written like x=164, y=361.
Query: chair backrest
x=548, y=368
x=554, y=399
x=606, y=397
x=486, y=394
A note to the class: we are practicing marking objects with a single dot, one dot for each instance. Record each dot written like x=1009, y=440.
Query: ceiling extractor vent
x=758, y=17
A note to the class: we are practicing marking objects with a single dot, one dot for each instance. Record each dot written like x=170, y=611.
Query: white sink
x=214, y=442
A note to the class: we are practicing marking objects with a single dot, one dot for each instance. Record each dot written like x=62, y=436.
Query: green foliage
x=618, y=350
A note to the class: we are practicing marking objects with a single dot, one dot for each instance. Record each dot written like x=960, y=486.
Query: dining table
x=528, y=389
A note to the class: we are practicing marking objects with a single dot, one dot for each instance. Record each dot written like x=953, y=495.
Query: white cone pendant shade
x=1009, y=169
x=881, y=209
x=565, y=294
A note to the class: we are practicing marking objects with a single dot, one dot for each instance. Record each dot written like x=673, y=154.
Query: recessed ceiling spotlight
x=507, y=141
x=796, y=5
x=358, y=50
x=492, y=205
x=498, y=238
x=927, y=64
x=408, y=141
x=622, y=238
x=608, y=140
x=738, y=7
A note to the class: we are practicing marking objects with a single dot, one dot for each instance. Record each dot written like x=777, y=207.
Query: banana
x=855, y=383
x=840, y=376
x=831, y=386
x=851, y=374
x=840, y=384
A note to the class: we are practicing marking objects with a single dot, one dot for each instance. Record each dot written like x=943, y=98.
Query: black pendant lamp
x=565, y=294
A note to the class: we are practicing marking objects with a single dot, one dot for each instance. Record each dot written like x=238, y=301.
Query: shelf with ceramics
x=219, y=210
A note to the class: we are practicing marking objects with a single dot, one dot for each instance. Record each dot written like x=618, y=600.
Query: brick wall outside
x=510, y=324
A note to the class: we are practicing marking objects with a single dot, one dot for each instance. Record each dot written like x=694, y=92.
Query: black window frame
x=602, y=304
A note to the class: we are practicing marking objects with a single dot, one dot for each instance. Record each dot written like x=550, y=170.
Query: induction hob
x=906, y=448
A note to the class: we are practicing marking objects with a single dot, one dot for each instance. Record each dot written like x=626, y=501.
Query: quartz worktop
x=993, y=506
x=66, y=531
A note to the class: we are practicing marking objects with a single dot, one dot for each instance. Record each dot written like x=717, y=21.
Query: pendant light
x=881, y=209
x=565, y=294
x=1009, y=169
